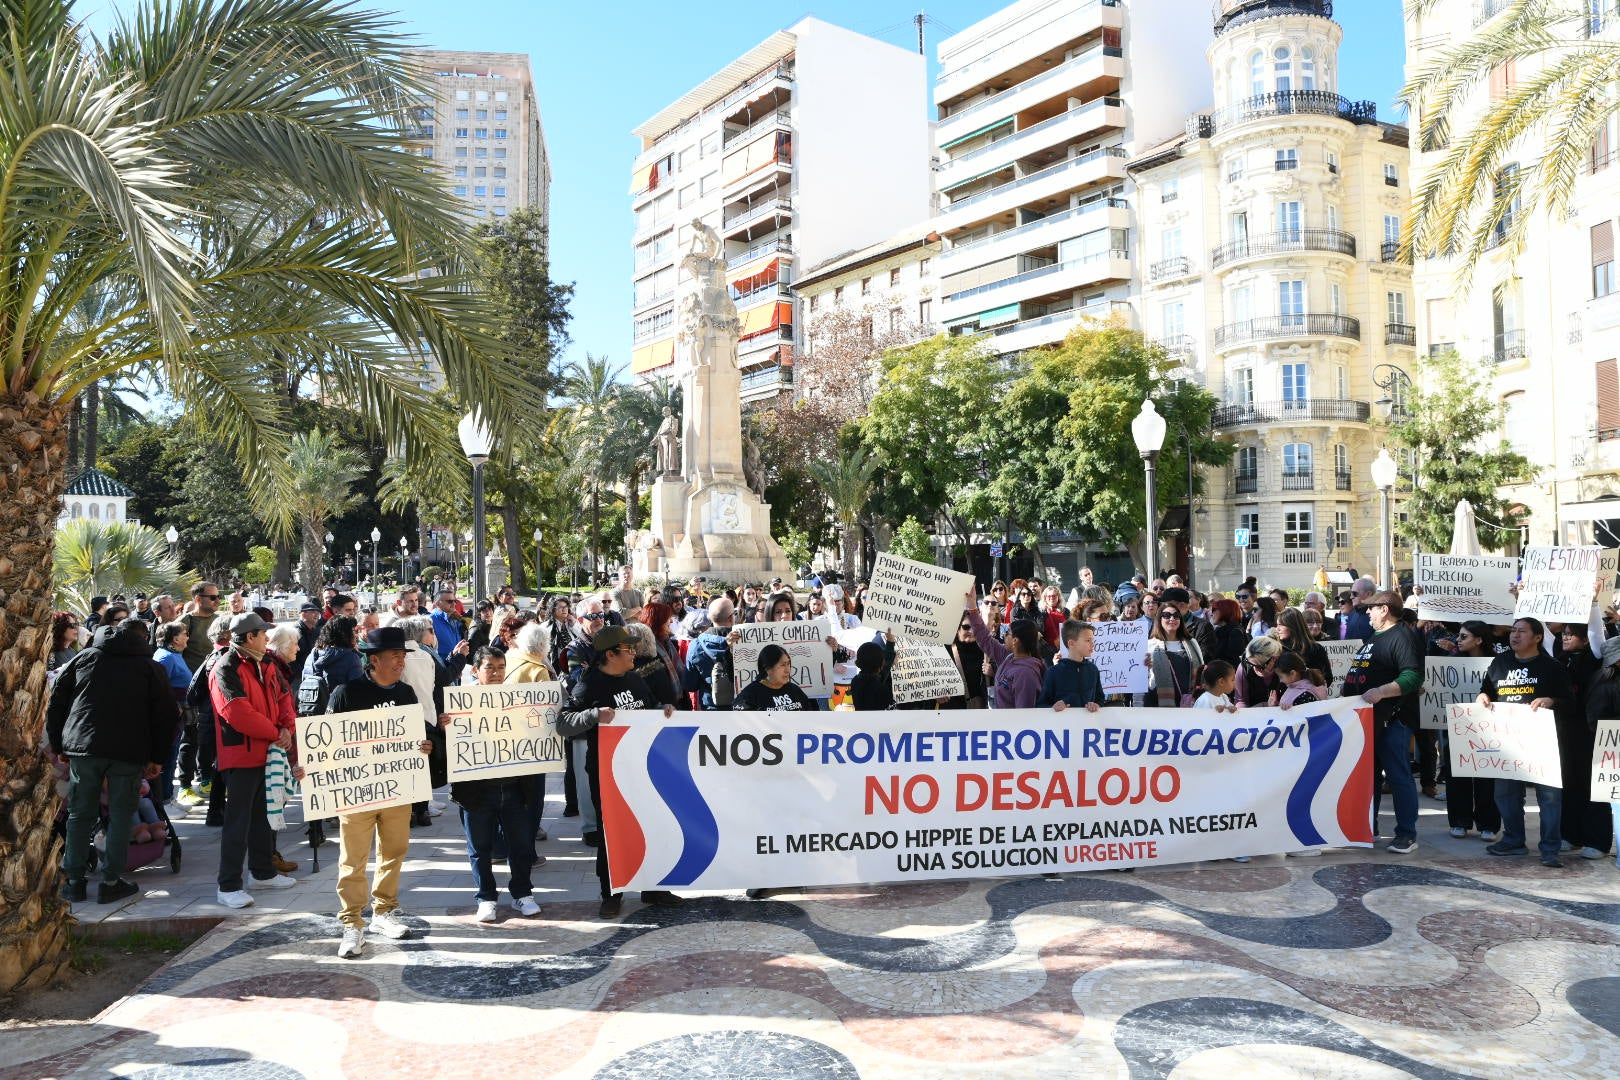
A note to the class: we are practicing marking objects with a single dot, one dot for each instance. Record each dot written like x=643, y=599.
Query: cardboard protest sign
x=925, y=673
x=366, y=760
x=749, y=799
x=505, y=730
x=1558, y=583
x=1341, y=654
x=1505, y=742
x=1119, y=655
x=806, y=644
x=1457, y=588
x=916, y=601
x=1606, y=763
x=1448, y=681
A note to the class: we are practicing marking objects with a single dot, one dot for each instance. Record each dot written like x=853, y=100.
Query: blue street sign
x=995, y=550
x=1240, y=538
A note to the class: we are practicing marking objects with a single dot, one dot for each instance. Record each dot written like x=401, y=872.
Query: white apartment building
x=1543, y=323
x=813, y=143
x=482, y=130
x=1039, y=107
x=1270, y=232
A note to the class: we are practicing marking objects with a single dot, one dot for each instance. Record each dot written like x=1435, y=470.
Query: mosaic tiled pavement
x=1357, y=965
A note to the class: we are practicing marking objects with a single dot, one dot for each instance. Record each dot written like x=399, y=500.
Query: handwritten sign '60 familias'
x=366, y=760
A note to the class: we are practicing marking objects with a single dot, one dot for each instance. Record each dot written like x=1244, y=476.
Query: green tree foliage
x=146, y=457
x=514, y=271
x=1063, y=444
x=322, y=475
x=1454, y=400
x=103, y=558
x=847, y=482
x=911, y=541
x=260, y=566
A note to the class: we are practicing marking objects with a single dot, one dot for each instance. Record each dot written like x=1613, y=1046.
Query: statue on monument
x=709, y=320
x=667, y=445
x=753, y=470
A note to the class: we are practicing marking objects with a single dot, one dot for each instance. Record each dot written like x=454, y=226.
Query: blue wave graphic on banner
x=1325, y=745
x=669, y=768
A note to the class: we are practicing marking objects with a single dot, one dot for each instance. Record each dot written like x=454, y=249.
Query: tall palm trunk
x=596, y=531
x=92, y=423
x=73, y=423
x=514, y=546
x=314, y=557
x=33, y=923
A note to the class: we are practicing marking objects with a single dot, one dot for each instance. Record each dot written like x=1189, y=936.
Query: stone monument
x=706, y=519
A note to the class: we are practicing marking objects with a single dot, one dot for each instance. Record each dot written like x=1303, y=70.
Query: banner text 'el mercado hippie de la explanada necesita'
x=905, y=797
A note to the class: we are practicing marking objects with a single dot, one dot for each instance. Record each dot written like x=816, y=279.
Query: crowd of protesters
x=201, y=701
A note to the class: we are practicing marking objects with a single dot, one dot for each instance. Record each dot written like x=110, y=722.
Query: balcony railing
x=1488, y=10
x=774, y=206
x=1277, y=243
x=1066, y=68
x=1044, y=271
x=757, y=250
x=1041, y=223
x=1245, y=484
x=1298, y=480
x=1178, y=345
x=1299, y=557
x=1282, y=103
x=776, y=288
x=1509, y=346
x=1177, y=266
x=1043, y=174
x=779, y=118
x=1440, y=348
x=1287, y=326
x=1273, y=412
x=992, y=59
x=1230, y=13
x=1400, y=334
x=1390, y=251
x=1341, y=479
x=1001, y=146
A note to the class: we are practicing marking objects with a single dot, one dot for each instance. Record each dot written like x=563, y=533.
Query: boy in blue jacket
x=1076, y=680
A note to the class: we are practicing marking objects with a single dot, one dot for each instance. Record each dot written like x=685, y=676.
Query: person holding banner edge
x=1603, y=703
x=607, y=686
x=1527, y=675
x=1387, y=674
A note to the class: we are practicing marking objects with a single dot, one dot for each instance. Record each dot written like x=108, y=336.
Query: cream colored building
x=792, y=160
x=1039, y=107
x=1543, y=323
x=482, y=130
x=1269, y=238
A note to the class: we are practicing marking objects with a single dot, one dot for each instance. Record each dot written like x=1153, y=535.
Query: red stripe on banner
x=621, y=832
x=1355, y=804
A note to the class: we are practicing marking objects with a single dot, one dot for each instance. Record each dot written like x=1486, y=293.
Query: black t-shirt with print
x=1520, y=682
x=757, y=697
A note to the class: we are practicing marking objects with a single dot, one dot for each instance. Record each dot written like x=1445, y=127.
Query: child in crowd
x=147, y=825
x=1300, y=684
x=1220, y=678
x=1074, y=680
x=872, y=689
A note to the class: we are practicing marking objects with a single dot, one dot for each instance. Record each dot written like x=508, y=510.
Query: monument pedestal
x=715, y=529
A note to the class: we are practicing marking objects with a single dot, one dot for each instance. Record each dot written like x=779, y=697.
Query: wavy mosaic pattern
x=1360, y=968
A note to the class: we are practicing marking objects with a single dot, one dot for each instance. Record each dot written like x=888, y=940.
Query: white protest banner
x=1456, y=588
x=914, y=600
x=1340, y=654
x=875, y=797
x=1558, y=583
x=1119, y=654
x=1448, y=681
x=925, y=673
x=1606, y=763
x=1608, y=569
x=806, y=645
x=1505, y=742
x=366, y=760
x=505, y=730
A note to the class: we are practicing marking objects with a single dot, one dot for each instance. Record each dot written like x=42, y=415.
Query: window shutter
x=1603, y=243
x=1608, y=399
x=1600, y=149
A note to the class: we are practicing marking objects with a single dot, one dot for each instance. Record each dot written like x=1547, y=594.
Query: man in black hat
x=607, y=686
x=383, y=687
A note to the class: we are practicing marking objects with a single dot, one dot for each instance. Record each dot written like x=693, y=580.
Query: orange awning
x=641, y=178
x=755, y=276
x=650, y=357
x=762, y=319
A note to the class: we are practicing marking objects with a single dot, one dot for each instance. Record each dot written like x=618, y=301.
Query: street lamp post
x=376, y=536
x=1394, y=382
x=1192, y=575
x=1148, y=431
x=539, y=568
x=357, y=566
x=173, y=536
x=1383, y=478
x=326, y=557
x=404, y=546
x=475, y=443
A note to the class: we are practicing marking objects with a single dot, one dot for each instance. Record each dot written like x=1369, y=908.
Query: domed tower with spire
x=1275, y=275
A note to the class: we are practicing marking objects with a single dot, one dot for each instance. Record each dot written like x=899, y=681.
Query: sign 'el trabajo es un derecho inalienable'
x=883, y=797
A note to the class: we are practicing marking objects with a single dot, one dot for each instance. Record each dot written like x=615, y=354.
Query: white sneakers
x=237, y=899
x=486, y=911
x=353, y=943
x=526, y=907
x=280, y=881
x=435, y=804
x=389, y=924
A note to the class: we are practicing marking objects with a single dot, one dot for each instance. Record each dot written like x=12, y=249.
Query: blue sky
x=602, y=70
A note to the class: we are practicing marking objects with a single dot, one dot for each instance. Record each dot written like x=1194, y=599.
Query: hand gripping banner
x=714, y=801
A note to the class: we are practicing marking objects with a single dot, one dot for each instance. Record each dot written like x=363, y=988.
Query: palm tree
x=1480, y=196
x=162, y=162
x=847, y=483
x=322, y=473
x=638, y=413
x=592, y=391
x=100, y=558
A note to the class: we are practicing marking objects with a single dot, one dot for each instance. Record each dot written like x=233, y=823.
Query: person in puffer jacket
x=253, y=709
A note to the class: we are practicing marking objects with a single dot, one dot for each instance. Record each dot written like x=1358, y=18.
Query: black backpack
x=313, y=690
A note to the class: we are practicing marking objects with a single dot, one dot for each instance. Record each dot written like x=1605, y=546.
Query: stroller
x=147, y=853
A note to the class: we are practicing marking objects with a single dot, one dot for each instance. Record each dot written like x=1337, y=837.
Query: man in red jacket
x=253, y=710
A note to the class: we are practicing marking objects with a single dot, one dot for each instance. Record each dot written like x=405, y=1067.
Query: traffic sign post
x=1240, y=539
